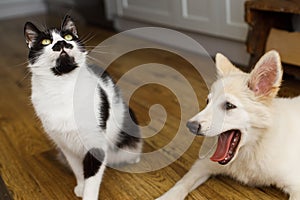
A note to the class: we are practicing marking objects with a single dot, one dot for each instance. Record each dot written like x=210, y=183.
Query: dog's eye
x=229, y=106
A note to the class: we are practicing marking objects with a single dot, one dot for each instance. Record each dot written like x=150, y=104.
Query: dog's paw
x=136, y=160
x=175, y=193
x=78, y=190
x=294, y=197
x=169, y=197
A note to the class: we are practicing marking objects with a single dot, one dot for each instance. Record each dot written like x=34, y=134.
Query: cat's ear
x=69, y=25
x=265, y=78
x=30, y=33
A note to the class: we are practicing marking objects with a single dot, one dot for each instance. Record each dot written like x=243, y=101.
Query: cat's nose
x=194, y=127
x=58, y=46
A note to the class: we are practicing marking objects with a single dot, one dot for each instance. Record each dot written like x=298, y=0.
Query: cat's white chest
x=60, y=106
x=53, y=102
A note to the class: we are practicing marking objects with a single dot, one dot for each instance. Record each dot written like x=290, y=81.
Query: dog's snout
x=60, y=45
x=194, y=127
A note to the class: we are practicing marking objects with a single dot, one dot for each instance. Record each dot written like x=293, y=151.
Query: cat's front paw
x=78, y=190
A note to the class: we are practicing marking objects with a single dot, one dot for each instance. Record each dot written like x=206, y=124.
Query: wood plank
x=15, y=172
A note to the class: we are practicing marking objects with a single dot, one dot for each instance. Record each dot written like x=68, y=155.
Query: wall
x=218, y=26
x=13, y=8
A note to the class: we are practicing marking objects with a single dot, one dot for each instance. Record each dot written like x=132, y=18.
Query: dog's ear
x=224, y=66
x=265, y=78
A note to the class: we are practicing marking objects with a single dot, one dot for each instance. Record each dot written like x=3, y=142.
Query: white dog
x=258, y=134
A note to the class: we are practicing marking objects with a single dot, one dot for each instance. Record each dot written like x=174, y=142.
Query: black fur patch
x=92, y=162
x=104, y=109
x=127, y=140
x=106, y=77
x=36, y=49
x=64, y=65
x=133, y=138
x=58, y=46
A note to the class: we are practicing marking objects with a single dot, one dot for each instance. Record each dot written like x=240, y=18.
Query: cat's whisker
x=102, y=52
x=89, y=49
x=35, y=67
x=88, y=39
x=95, y=48
x=95, y=59
x=84, y=37
x=100, y=46
x=28, y=72
x=21, y=64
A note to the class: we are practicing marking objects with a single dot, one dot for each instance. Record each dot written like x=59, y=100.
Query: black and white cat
x=56, y=59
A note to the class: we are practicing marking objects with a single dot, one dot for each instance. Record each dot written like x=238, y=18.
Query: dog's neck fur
x=259, y=158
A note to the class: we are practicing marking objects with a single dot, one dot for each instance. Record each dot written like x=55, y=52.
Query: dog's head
x=238, y=106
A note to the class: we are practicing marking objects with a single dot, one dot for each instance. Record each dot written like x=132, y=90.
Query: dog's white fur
x=268, y=153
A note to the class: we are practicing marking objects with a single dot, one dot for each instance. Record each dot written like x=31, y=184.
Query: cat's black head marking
x=61, y=45
x=60, y=41
x=34, y=37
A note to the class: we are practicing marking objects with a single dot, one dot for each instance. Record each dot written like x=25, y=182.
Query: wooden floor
x=28, y=164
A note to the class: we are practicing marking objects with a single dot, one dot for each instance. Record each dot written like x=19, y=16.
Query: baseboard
x=234, y=50
x=17, y=9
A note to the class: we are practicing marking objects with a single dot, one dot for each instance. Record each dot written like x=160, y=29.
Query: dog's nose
x=194, y=127
x=60, y=45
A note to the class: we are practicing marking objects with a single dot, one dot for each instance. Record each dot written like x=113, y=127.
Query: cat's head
x=55, y=51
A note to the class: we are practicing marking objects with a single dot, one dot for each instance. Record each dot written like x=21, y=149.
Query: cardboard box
x=287, y=44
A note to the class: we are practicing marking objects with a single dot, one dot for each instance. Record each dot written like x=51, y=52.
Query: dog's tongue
x=224, y=141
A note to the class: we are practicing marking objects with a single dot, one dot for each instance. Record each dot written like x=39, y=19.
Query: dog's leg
x=76, y=165
x=197, y=175
x=294, y=195
x=93, y=166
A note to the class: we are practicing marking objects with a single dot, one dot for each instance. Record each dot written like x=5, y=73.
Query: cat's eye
x=229, y=106
x=46, y=41
x=68, y=37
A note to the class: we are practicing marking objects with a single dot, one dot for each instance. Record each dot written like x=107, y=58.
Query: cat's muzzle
x=65, y=59
x=60, y=45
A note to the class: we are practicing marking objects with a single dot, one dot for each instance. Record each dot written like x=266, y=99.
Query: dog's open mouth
x=227, y=146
